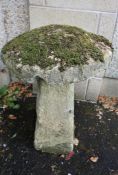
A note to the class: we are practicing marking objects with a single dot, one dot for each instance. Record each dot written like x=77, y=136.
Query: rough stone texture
x=109, y=87
x=16, y=17
x=40, y=16
x=55, y=86
x=54, y=76
x=3, y=39
x=55, y=118
x=96, y=69
x=107, y=25
x=55, y=102
x=101, y=5
x=93, y=89
x=2, y=27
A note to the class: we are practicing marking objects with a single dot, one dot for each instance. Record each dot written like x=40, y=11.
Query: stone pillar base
x=54, y=131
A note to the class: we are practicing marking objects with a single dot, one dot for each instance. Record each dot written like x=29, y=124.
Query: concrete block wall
x=93, y=15
x=100, y=17
x=14, y=20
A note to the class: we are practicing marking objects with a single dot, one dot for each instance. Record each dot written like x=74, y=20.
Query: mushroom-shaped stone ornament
x=56, y=56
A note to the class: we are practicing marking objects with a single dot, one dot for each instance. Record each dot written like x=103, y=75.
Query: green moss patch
x=53, y=44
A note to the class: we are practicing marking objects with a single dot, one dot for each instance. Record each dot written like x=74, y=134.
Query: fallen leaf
x=70, y=155
x=99, y=116
x=106, y=106
x=109, y=103
x=100, y=113
x=12, y=117
x=4, y=145
x=94, y=159
x=53, y=167
x=14, y=135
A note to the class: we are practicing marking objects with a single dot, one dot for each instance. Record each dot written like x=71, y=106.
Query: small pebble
x=62, y=156
x=94, y=159
x=76, y=141
x=4, y=145
x=101, y=113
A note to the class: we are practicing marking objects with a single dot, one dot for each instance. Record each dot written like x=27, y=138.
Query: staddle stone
x=56, y=56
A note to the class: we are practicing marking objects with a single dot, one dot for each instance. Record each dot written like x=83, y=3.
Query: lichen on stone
x=55, y=44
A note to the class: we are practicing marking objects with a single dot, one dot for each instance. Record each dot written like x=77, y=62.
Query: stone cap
x=57, y=54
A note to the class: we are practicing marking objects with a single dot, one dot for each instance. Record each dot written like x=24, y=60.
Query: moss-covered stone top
x=53, y=44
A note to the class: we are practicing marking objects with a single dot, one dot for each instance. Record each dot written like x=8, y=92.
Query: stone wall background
x=14, y=20
x=93, y=15
x=100, y=17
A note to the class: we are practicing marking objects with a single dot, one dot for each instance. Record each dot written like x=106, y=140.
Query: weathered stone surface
x=72, y=74
x=14, y=20
x=16, y=17
x=67, y=63
x=2, y=27
x=55, y=72
x=55, y=118
x=3, y=38
x=96, y=69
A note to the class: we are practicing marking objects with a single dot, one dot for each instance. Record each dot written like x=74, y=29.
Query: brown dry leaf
x=94, y=159
x=108, y=102
x=12, y=117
